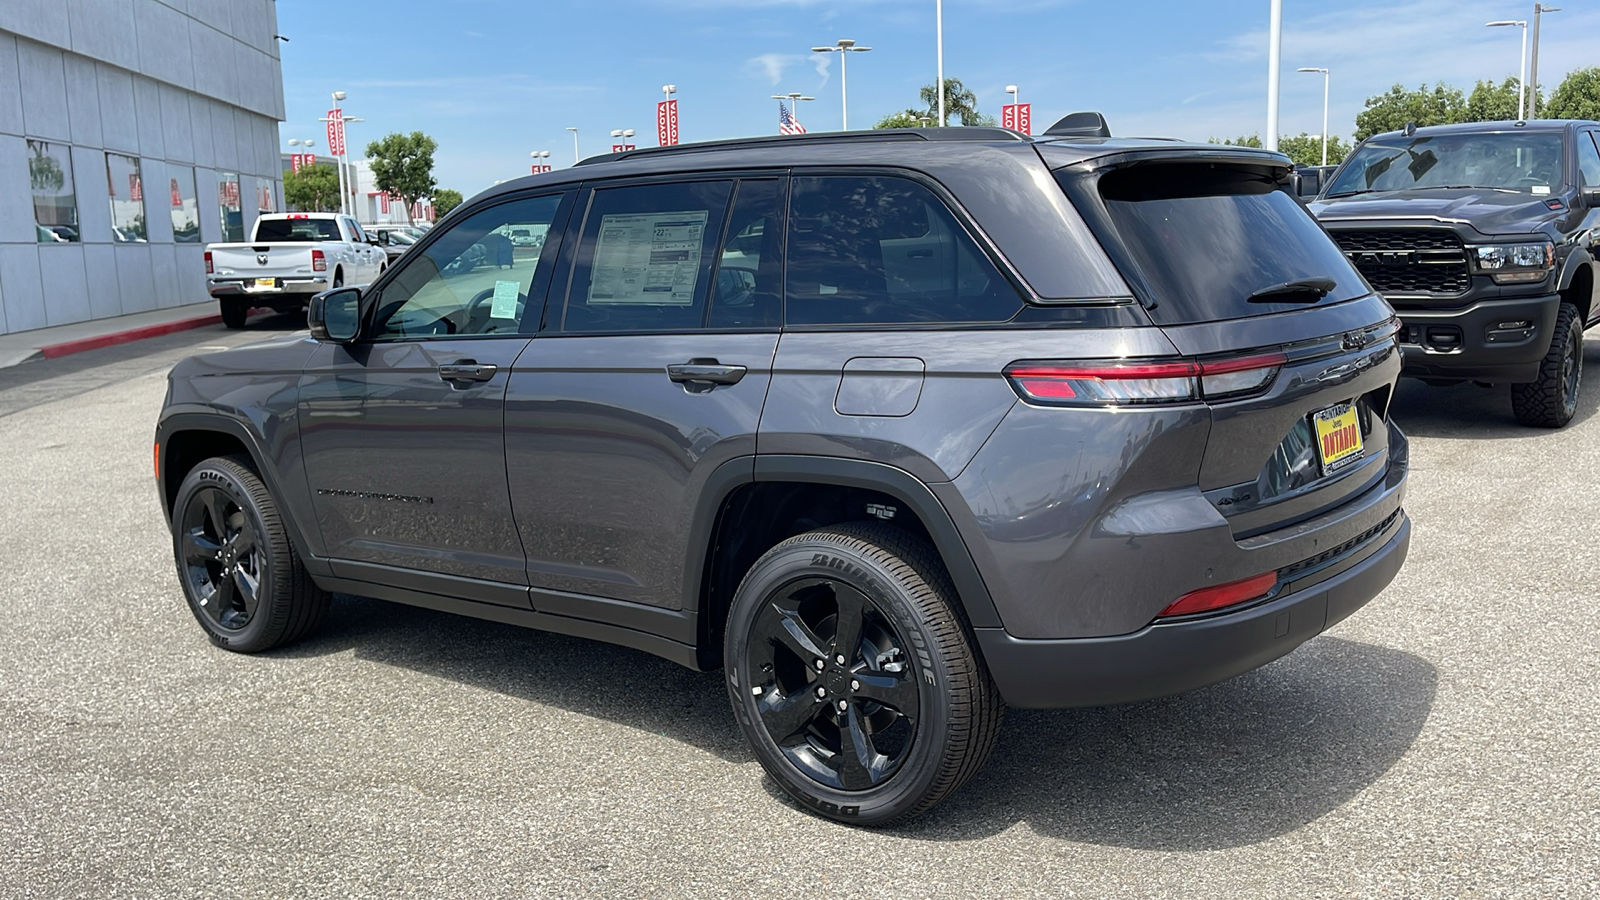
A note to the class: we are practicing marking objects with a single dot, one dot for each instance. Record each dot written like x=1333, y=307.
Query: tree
x=312, y=189
x=445, y=200
x=1443, y=105
x=1576, y=97
x=1490, y=102
x=1303, y=148
x=960, y=105
x=402, y=165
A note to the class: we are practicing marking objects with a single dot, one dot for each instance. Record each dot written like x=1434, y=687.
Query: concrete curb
x=66, y=348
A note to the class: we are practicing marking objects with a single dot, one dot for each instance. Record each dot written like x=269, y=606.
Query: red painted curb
x=67, y=348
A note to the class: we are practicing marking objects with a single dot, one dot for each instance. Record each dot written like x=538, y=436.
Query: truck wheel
x=1550, y=400
x=234, y=311
x=852, y=673
x=243, y=580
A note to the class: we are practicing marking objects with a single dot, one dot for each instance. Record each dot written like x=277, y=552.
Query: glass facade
x=55, y=204
x=185, y=206
x=127, y=199
x=231, y=206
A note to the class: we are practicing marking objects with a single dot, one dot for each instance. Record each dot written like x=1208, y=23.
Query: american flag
x=787, y=123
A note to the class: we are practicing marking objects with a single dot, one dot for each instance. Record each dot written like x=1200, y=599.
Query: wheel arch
x=185, y=440
x=1577, y=284
x=751, y=504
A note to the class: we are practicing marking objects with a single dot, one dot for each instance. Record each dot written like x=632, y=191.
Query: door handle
x=467, y=370
x=704, y=372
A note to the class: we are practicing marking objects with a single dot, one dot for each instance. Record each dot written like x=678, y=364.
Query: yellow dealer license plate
x=1338, y=436
x=266, y=282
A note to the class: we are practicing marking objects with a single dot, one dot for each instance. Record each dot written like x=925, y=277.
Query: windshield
x=284, y=230
x=1218, y=243
x=1509, y=161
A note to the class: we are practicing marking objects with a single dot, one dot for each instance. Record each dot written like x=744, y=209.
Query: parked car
x=894, y=427
x=394, y=241
x=289, y=257
x=1483, y=238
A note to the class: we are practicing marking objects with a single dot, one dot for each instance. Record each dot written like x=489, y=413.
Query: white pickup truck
x=290, y=257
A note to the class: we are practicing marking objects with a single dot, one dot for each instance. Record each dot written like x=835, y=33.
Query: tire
x=338, y=278
x=227, y=532
x=913, y=651
x=234, y=311
x=1550, y=400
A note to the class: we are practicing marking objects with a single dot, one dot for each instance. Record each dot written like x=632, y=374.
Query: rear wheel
x=853, y=676
x=234, y=311
x=1551, y=399
x=243, y=580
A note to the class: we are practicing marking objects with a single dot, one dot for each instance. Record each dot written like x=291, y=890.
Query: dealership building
x=132, y=133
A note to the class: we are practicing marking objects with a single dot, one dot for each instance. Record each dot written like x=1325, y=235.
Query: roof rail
x=876, y=135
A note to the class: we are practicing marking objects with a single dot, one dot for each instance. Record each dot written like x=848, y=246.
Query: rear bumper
x=1483, y=351
x=1173, y=657
x=292, y=291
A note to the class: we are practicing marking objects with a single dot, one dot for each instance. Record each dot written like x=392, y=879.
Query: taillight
x=208, y=262
x=319, y=262
x=1118, y=383
x=1222, y=595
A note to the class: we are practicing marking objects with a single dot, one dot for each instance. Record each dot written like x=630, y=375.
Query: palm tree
x=959, y=103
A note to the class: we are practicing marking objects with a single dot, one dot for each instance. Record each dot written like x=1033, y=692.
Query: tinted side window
x=749, y=288
x=645, y=257
x=1588, y=160
x=886, y=251
x=472, y=279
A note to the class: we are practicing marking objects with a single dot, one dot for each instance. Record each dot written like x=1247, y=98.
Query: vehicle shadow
x=1235, y=763
x=1471, y=412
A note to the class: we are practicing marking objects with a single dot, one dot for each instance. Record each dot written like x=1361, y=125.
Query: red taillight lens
x=1106, y=384
x=208, y=262
x=1125, y=383
x=1208, y=599
x=319, y=262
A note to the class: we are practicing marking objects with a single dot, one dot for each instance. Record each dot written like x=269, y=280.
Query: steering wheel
x=478, y=299
x=1531, y=181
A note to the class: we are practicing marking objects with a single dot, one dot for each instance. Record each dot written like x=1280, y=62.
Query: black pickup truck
x=1484, y=238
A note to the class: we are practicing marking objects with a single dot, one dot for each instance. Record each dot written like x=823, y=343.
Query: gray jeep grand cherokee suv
x=896, y=428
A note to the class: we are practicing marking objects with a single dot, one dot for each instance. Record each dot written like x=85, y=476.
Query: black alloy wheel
x=222, y=562
x=835, y=689
x=239, y=571
x=853, y=674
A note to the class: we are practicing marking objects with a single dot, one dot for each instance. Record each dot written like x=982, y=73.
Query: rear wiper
x=1306, y=290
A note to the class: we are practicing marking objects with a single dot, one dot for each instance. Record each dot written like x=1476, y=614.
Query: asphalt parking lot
x=1443, y=742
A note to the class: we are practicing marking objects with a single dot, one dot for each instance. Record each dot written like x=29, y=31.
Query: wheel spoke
x=217, y=512
x=246, y=585
x=198, y=549
x=796, y=635
x=896, y=691
x=853, y=606
x=220, y=600
x=245, y=541
x=857, y=758
x=785, y=716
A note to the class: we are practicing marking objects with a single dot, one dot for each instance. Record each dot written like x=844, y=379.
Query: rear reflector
x=1116, y=383
x=319, y=262
x=208, y=262
x=1234, y=592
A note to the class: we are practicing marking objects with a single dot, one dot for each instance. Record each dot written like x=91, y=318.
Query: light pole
x=1324, y=108
x=623, y=133
x=1522, y=67
x=1533, y=60
x=938, y=13
x=794, y=98
x=1274, y=56
x=845, y=46
x=575, y=156
x=1016, y=106
x=538, y=155
x=345, y=206
x=669, y=90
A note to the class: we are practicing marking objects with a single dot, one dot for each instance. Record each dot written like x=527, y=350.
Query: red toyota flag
x=667, y=123
x=177, y=195
x=336, y=132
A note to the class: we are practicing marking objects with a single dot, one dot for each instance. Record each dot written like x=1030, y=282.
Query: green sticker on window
x=505, y=300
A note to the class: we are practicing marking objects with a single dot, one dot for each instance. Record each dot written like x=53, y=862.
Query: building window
x=185, y=206
x=127, y=199
x=232, y=209
x=55, y=205
x=266, y=200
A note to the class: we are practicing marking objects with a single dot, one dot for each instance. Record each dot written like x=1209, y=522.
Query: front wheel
x=1551, y=399
x=853, y=674
x=244, y=582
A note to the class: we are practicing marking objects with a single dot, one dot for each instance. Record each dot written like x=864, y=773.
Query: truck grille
x=1408, y=260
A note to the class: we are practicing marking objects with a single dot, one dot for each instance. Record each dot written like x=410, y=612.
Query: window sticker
x=647, y=258
x=505, y=300
x=1541, y=189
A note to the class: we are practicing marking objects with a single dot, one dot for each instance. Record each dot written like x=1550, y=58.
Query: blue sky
x=491, y=80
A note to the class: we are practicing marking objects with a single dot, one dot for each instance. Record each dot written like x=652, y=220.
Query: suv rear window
x=285, y=230
x=1205, y=238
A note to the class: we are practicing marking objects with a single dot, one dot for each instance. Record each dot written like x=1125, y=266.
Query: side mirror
x=375, y=240
x=335, y=315
x=1590, y=197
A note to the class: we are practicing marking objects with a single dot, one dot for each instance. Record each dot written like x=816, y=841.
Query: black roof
x=1539, y=125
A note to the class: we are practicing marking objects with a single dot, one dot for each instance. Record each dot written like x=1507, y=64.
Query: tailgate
x=261, y=260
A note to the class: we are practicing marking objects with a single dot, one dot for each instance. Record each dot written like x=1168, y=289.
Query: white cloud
x=771, y=65
x=823, y=62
